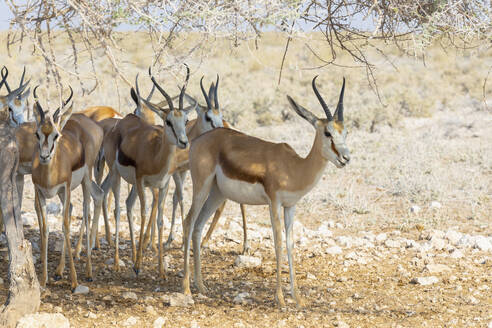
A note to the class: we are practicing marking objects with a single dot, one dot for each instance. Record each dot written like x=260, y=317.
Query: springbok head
x=49, y=128
x=174, y=119
x=331, y=129
x=211, y=115
x=13, y=104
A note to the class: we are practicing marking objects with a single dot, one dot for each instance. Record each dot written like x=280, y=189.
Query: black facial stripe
x=174, y=132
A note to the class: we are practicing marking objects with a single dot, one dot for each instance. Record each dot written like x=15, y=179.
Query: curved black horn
x=38, y=105
x=168, y=99
x=339, y=110
x=22, y=77
x=5, y=73
x=149, y=97
x=216, y=100
x=181, y=95
x=209, y=105
x=137, y=92
x=3, y=77
x=69, y=97
x=321, y=101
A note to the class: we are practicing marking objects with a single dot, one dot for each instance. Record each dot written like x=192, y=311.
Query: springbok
x=108, y=124
x=15, y=101
x=208, y=117
x=99, y=113
x=143, y=155
x=12, y=108
x=67, y=149
x=226, y=164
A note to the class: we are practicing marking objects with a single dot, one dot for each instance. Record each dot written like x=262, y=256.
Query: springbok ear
x=65, y=117
x=303, y=112
x=161, y=111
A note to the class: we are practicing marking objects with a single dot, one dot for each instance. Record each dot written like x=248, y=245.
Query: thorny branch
x=350, y=26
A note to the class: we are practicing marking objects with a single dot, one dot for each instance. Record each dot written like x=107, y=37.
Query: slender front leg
x=61, y=265
x=106, y=186
x=66, y=225
x=115, y=183
x=160, y=207
x=177, y=198
x=141, y=196
x=214, y=200
x=201, y=190
x=289, y=241
x=19, y=180
x=150, y=227
x=78, y=245
x=40, y=205
x=277, y=239
x=215, y=220
x=245, y=230
x=130, y=201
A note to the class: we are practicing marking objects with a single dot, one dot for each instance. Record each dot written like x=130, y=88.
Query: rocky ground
x=418, y=278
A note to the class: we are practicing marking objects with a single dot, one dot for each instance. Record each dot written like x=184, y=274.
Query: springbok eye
x=168, y=123
x=37, y=136
x=56, y=137
x=207, y=119
x=328, y=134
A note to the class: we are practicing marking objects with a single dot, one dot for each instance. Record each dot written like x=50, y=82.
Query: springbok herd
x=62, y=150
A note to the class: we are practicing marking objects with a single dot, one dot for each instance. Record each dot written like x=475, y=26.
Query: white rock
x=131, y=321
x=341, y=324
x=351, y=256
x=194, y=324
x=242, y=298
x=453, y=236
x=81, y=290
x=29, y=219
x=489, y=325
x=381, y=237
x=53, y=208
x=130, y=296
x=310, y=276
x=482, y=243
x=456, y=254
x=436, y=268
x=150, y=310
x=324, y=230
x=334, y=250
x=391, y=243
x=345, y=241
x=466, y=241
x=438, y=243
x=245, y=261
x=110, y=262
x=43, y=320
x=425, y=281
x=91, y=315
x=435, y=205
x=178, y=299
x=159, y=322
x=339, y=225
x=415, y=209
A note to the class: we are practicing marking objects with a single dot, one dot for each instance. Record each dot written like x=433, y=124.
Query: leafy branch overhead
x=347, y=26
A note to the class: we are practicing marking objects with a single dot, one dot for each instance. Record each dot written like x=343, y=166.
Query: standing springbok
x=143, y=155
x=226, y=164
x=208, y=117
x=67, y=148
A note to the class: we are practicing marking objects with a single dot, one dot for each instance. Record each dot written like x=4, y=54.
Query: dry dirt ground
x=353, y=268
x=415, y=201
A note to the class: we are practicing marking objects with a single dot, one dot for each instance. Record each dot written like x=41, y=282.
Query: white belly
x=25, y=168
x=157, y=180
x=51, y=192
x=126, y=172
x=77, y=177
x=240, y=191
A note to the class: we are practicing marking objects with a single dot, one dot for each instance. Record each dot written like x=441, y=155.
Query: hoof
x=89, y=279
x=57, y=277
x=95, y=248
x=137, y=271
